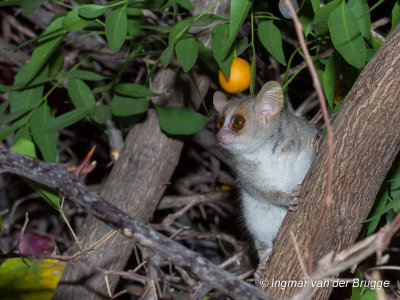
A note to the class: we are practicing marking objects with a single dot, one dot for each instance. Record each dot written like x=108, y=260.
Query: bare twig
x=381, y=22
x=322, y=102
x=22, y=233
x=345, y=259
x=300, y=259
x=176, y=201
x=171, y=217
x=7, y=222
x=108, y=286
x=97, y=244
x=378, y=36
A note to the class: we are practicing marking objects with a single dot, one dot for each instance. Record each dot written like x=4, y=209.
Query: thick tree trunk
x=366, y=136
x=136, y=184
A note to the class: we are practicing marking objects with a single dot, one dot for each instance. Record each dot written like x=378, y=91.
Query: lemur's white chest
x=272, y=172
x=280, y=172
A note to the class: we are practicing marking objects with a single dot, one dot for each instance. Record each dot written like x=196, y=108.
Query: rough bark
x=366, y=140
x=135, y=185
x=137, y=180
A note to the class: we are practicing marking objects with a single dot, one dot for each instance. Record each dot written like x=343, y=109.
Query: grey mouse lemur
x=272, y=152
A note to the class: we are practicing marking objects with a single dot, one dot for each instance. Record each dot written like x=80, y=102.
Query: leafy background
x=70, y=95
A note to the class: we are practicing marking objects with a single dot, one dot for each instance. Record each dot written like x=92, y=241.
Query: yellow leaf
x=26, y=279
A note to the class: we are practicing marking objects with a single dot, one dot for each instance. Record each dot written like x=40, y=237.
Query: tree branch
x=58, y=178
x=350, y=257
x=329, y=138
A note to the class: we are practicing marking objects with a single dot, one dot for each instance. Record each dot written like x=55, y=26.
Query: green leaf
x=28, y=7
x=242, y=45
x=186, y=53
x=134, y=21
x=330, y=77
x=178, y=31
x=388, y=199
x=238, y=13
x=169, y=4
x=46, y=46
x=67, y=119
x=375, y=42
x=128, y=106
x=73, y=22
x=25, y=98
x=116, y=28
x=377, y=211
x=306, y=24
x=270, y=37
x=196, y=85
x=14, y=115
x=360, y=10
x=346, y=37
x=369, y=295
x=206, y=19
x=103, y=88
x=100, y=113
x=83, y=74
x=355, y=293
x=56, y=62
x=315, y=5
x=320, y=22
x=218, y=41
x=152, y=4
x=157, y=28
x=4, y=88
x=206, y=57
x=134, y=90
x=80, y=93
x=24, y=146
x=369, y=54
x=4, y=105
x=23, y=132
x=6, y=131
x=51, y=196
x=395, y=16
x=46, y=141
x=134, y=13
x=203, y=21
x=186, y=4
x=179, y=120
x=390, y=216
x=394, y=183
x=92, y=11
x=134, y=28
x=167, y=55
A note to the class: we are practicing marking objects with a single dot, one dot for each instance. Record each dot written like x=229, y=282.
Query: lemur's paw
x=295, y=199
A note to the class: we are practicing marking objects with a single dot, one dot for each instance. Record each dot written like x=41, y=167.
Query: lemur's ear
x=219, y=100
x=269, y=101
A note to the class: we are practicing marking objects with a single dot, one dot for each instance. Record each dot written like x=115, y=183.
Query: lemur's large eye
x=238, y=122
x=221, y=122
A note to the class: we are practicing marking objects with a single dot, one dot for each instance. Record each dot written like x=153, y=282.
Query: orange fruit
x=239, y=79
